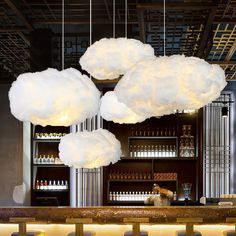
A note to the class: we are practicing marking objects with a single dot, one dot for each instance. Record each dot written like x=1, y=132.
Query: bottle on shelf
x=131, y=151
x=175, y=198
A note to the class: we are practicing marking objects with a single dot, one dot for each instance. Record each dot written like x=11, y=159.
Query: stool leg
x=136, y=229
x=79, y=230
x=189, y=229
x=22, y=229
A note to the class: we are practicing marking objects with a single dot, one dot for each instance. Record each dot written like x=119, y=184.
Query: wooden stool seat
x=229, y=233
x=183, y=233
x=86, y=233
x=32, y=233
x=142, y=233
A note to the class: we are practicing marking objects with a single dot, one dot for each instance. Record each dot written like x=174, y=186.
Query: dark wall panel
x=11, y=150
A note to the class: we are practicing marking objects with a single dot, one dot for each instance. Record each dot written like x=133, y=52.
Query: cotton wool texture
x=113, y=110
x=109, y=58
x=52, y=97
x=89, y=149
x=159, y=86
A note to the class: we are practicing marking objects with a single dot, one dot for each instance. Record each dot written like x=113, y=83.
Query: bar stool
x=229, y=233
x=183, y=233
x=22, y=222
x=86, y=233
x=79, y=226
x=130, y=233
x=136, y=226
x=32, y=233
x=189, y=226
x=231, y=220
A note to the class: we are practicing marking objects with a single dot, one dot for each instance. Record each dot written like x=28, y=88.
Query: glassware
x=187, y=190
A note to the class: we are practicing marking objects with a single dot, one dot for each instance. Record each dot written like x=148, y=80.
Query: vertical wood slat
x=217, y=156
x=89, y=181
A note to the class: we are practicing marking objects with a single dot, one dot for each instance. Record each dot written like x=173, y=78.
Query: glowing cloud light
x=113, y=110
x=110, y=58
x=54, y=98
x=89, y=149
x=159, y=86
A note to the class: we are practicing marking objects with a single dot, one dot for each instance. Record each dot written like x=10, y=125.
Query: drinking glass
x=187, y=190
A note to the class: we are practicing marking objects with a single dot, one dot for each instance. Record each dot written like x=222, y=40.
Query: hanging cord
x=90, y=22
x=126, y=17
x=114, y=18
x=63, y=36
x=164, y=30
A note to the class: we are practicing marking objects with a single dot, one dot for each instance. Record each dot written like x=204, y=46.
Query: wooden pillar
x=189, y=224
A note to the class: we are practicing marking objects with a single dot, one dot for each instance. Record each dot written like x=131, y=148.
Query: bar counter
x=116, y=215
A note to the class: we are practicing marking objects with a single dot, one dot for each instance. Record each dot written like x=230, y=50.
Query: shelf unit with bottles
x=50, y=178
x=161, y=147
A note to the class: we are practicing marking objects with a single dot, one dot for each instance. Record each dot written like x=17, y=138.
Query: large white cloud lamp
x=89, y=149
x=109, y=58
x=52, y=97
x=113, y=110
x=159, y=86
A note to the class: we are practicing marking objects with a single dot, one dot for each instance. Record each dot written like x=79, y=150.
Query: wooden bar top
x=116, y=215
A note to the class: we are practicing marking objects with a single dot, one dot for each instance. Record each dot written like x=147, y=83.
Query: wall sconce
x=224, y=111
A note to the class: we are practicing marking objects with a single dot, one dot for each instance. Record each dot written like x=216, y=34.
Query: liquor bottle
x=131, y=151
x=52, y=160
x=37, y=184
x=66, y=184
x=175, y=196
x=110, y=196
x=41, y=185
x=152, y=152
x=167, y=151
x=163, y=151
x=49, y=184
x=134, y=151
x=156, y=151
x=45, y=184
x=145, y=153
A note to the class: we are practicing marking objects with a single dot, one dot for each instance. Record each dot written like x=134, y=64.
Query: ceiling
x=206, y=29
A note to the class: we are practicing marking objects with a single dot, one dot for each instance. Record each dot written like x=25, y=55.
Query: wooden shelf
x=50, y=165
x=161, y=158
x=153, y=137
x=141, y=180
x=46, y=140
x=126, y=202
x=51, y=190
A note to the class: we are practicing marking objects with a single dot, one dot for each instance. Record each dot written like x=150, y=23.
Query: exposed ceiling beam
x=12, y=4
x=224, y=20
x=207, y=31
x=80, y=22
x=176, y=6
x=13, y=29
x=24, y=38
x=223, y=63
x=231, y=52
